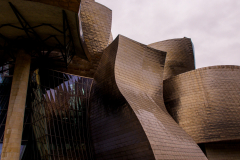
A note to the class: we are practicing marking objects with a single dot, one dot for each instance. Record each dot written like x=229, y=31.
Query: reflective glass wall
x=5, y=88
x=59, y=115
x=56, y=116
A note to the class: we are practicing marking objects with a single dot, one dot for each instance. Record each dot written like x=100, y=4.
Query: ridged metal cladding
x=95, y=22
x=110, y=39
x=116, y=131
x=137, y=72
x=180, y=56
x=205, y=102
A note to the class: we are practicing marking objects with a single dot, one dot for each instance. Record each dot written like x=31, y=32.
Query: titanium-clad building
x=68, y=91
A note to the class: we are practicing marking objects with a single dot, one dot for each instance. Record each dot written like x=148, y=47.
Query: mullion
x=64, y=110
x=56, y=115
x=49, y=107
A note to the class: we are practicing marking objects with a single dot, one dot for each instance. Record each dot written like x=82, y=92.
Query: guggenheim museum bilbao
x=68, y=91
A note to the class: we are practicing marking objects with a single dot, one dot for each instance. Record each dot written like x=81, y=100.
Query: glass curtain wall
x=5, y=88
x=59, y=115
x=56, y=125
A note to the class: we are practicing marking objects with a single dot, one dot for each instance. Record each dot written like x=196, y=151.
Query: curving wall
x=96, y=21
x=113, y=136
x=180, y=56
x=127, y=96
x=205, y=102
x=95, y=34
x=110, y=39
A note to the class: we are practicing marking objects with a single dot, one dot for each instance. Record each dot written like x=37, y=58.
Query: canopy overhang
x=46, y=30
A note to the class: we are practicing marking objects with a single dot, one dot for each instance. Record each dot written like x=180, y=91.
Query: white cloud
x=213, y=26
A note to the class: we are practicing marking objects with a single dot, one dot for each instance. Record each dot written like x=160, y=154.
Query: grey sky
x=213, y=25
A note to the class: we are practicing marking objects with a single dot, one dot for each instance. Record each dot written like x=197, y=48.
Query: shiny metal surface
x=130, y=77
x=146, y=102
x=95, y=20
x=180, y=56
x=94, y=31
x=205, y=102
x=115, y=130
x=110, y=39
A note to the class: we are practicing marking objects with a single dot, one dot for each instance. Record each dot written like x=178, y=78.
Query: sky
x=213, y=25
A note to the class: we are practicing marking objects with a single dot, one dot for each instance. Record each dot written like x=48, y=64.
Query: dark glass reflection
x=5, y=88
x=59, y=104
x=55, y=121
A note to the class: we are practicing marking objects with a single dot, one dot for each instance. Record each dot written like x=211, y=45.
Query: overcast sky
x=213, y=25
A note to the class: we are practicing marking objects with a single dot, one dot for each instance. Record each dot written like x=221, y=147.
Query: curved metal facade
x=95, y=23
x=137, y=84
x=180, y=56
x=205, y=103
x=115, y=130
x=144, y=102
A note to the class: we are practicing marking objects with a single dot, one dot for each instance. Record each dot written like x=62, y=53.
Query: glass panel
x=60, y=130
x=55, y=125
x=5, y=88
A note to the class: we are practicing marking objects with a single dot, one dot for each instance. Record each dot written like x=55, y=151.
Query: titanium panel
x=95, y=21
x=110, y=39
x=134, y=72
x=180, y=56
x=115, y=129
x=205, y=103
x=94, y=31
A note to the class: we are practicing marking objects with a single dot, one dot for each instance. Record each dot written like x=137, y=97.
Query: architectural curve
x=180, y=56
x=112, y=134
x=110, y=39
x=96, y=22
x=205, y=103
x=95, y=33
x=130, y=76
